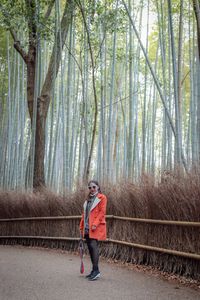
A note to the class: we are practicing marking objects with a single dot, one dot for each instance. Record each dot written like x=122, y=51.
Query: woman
x=93, y=224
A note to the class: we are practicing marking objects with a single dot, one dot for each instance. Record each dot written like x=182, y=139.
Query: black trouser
x=93, y=247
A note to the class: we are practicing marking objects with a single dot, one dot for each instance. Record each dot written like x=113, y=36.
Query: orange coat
x=96, y=217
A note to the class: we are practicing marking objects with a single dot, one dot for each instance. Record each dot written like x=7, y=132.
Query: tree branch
x=18, y=47
x=182, y=81
x=58, y=46
x=17, y=43
x=48, y=12
x=87, y=170
x=196, y=7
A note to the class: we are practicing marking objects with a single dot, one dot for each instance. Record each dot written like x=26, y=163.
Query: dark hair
x=95, y=182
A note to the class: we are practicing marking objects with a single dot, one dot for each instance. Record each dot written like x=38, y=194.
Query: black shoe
x=89, y=275
x=94, y=275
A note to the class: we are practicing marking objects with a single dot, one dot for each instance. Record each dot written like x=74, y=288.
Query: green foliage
x=3, y=48
x=3, y=74
x=153, y=44
x=102, y=19
x=113, y=19
x=19, y=16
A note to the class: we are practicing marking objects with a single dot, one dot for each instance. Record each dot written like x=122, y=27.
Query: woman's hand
x=94, y=227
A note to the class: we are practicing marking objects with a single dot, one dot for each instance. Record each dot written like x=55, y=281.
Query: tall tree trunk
x=44, y=99
x=144, y=123
x=131, y=99
x=87, y=168
x=196, y=6
x=178, y=143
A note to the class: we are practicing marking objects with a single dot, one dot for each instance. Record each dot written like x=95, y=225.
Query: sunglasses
x=92, y=187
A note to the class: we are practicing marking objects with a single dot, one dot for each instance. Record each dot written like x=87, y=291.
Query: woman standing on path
x=93, y=224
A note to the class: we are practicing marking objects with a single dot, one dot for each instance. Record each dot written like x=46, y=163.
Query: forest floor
x=38, y=273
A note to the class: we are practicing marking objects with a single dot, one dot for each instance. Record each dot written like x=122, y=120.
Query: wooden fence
x=10, y=229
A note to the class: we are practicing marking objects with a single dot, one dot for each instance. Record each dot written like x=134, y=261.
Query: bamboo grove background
x=125, y=100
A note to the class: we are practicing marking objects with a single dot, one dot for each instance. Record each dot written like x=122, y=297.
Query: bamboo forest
x=104, y=89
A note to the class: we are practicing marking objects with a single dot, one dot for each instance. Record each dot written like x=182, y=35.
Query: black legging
x=93, y=248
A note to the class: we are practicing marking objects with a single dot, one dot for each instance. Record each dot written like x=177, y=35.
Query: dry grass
x=44, y=203
x=174, y=198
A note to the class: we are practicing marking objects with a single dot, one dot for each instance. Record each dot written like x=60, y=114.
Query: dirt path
x=29, y=274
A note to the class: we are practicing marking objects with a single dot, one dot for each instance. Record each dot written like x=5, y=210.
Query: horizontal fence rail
x=144, y=247
x=41, y=218
x=35, y=237
x=111, y=217
x=161, y=222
